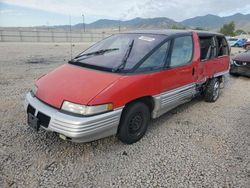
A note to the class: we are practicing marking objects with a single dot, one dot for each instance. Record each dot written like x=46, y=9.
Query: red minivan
x=117, y=85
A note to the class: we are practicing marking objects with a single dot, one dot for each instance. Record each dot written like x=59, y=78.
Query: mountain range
x=136, y=23
x=212, y=22
x=207, y=22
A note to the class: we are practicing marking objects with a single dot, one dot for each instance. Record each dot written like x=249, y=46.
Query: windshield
x=120, y=51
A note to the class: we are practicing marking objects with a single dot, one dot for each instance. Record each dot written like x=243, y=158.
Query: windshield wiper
x=125, y=58
x=99, y=52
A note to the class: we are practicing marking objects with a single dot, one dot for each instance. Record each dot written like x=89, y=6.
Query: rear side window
x=208, y=47
x=222, y=46
x=182, y=51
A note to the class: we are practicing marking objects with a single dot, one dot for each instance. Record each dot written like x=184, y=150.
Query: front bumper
x=241, y=70
x=77, y=129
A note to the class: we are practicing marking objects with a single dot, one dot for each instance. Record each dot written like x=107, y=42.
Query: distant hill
x=212, y=22
x=207, y=22
x=136, y=23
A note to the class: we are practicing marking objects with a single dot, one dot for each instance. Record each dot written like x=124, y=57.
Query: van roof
x=169, y=32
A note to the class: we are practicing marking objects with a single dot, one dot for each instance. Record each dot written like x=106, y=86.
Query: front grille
x=43, y=119
x=31, y=110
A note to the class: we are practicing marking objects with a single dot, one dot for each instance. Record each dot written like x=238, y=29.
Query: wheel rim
x=135, y=124
x=216, y=90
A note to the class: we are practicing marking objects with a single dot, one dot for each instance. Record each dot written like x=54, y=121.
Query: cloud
x=175, y=9
x=10, y=12
x=108, y=8
x=184, y=9
x=6, y=11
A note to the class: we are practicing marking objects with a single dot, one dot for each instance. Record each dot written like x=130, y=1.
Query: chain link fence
x=50, y=36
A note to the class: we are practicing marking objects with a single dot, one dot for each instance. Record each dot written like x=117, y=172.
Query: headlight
x=34, y=90
x=86, y=110
x=233, y=62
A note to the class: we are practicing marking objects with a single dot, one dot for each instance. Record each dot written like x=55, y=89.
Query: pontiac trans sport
x=117, y=85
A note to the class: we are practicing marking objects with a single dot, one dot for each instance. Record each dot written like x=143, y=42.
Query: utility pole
x=70, y=30
x=119, y=26
x=47, y=25
x=83, y=22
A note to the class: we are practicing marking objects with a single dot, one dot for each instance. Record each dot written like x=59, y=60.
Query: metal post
x=119, y=26
x=67, y=36
x=52, y=36
x=81, y=36
x=83, y=22
x=20, y=36
x=37, y=36
x=1, y=35
x=91, y=36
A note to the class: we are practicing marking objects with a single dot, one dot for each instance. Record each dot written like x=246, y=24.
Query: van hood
x=72, y=83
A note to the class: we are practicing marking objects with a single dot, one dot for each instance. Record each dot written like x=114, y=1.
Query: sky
x=62, y=12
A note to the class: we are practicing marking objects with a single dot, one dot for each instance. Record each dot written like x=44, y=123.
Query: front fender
x=127, y=89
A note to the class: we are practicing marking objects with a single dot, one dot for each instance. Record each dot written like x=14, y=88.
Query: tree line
x=229, y=30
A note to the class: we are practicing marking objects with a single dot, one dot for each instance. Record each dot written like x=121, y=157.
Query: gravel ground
x=195, y=145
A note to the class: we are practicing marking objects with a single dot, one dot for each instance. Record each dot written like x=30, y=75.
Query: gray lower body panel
x=171, y=99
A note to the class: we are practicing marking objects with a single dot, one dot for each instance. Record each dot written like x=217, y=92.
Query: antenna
x=70, y=30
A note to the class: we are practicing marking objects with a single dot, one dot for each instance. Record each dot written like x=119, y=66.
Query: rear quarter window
x=222, y=46
x=207, y=47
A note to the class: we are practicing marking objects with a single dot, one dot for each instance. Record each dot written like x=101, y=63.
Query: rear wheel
x=212, y=91
x=134, y=123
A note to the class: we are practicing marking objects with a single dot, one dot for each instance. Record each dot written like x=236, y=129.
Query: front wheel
x=134, y=122
x=212, y=91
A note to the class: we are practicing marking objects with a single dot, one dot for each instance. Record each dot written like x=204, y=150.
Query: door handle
x=193, y=71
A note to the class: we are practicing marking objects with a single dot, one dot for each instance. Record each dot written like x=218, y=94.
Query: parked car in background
x=116, y=86
x=246, y=45
x=236, y=42
x=240, y=64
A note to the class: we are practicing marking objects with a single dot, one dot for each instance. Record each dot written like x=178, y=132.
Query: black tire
x=134, y=123
x=212, y=91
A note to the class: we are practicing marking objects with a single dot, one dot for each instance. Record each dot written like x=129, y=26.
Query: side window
x=182, y=51
x=223, y=48
x=155, y=61
x=207, y=47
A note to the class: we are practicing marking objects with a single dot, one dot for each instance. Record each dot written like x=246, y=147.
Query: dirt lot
x=197, y=144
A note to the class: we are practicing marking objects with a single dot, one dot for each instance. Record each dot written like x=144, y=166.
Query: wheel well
x=204, y=86
x=147, y=100
x=220, y=78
